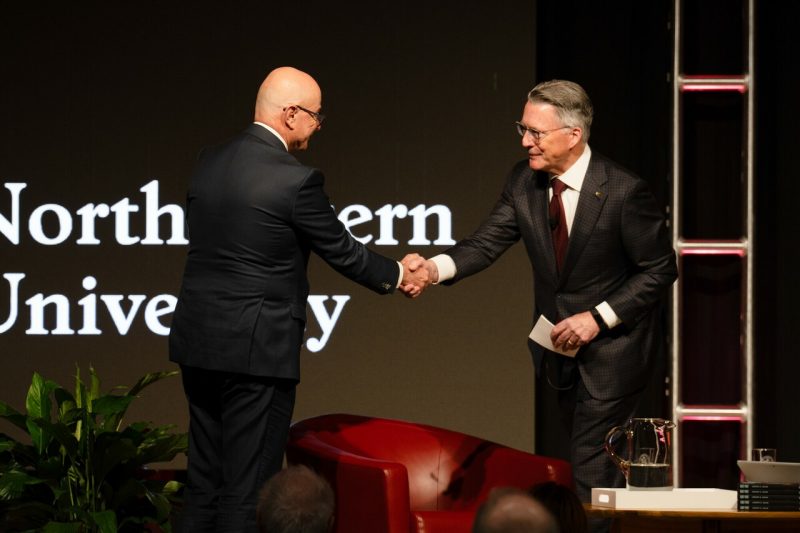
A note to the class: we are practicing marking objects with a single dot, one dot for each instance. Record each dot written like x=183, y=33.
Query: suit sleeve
x=492, y=238
x=315, y=221
x=646, y=242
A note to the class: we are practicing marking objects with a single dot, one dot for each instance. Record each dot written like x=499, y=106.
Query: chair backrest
x=447, y=470
x=414, y=446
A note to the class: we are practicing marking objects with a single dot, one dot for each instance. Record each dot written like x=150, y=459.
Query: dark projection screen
x=103, y=109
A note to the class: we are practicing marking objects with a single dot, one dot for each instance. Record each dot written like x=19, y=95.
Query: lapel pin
x=598, y=194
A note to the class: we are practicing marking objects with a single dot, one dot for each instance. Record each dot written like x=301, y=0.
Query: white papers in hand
x=540, y=334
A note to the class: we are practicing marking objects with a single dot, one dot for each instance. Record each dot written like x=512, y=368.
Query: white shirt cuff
x=609, y=316
x=446, y=267
x=400, y=277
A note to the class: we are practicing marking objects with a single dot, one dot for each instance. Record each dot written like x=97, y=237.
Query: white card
x=540, y=334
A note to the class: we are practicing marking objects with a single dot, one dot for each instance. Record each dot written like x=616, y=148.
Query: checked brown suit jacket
x=619, y=252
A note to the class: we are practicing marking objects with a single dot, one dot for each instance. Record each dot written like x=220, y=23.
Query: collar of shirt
x=275, y=133
x=573, y=179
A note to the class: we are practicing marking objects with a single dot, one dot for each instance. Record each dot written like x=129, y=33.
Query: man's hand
x=418, y=274
x=574, y=331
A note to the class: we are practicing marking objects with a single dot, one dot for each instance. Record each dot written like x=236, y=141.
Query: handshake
x=418, y=274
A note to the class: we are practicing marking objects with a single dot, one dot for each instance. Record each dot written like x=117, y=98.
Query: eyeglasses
x=319, y=117
x=537, y=135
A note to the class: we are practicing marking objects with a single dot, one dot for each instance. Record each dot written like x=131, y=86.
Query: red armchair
x=391, y=476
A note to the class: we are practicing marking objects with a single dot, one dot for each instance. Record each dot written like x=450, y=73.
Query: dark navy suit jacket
x=254, y=214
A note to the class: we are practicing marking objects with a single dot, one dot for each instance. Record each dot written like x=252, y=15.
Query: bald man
x=254, y=215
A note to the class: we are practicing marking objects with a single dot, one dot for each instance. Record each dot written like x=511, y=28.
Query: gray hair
x=295, y=500
x=511, y=510
x=570, y=100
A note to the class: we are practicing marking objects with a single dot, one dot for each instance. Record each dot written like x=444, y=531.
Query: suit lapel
x=542, y=236
x=590, y=204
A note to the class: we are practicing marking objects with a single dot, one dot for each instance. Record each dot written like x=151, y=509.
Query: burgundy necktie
x=558, y=222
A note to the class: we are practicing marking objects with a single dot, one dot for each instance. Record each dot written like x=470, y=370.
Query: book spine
x=771, y=498
x=769, y=489
x=760, y=504
x=769, y=486
x=789, y=508
x=770, y=492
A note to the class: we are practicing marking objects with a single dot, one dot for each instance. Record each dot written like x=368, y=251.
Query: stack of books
x=754, y=496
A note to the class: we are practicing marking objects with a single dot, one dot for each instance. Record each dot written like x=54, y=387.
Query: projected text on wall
x=52, y=225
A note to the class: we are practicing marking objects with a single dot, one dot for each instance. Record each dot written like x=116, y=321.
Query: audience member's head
x=295, y=500
x=510, y=510
x=563, y=504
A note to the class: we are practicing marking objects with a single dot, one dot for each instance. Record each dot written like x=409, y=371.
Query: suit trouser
x=238, y=427
x=588, y=421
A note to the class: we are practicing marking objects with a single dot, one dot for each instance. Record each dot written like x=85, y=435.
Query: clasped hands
x=418, y=274
x=574, y=331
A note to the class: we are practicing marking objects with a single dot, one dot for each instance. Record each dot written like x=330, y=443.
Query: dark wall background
x=777, y=187
x=98, y=99
x=620, y=52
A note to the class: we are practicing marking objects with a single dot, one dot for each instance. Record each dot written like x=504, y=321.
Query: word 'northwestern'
x=53, y=224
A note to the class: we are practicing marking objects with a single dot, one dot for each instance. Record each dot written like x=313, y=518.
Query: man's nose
x=527, y=141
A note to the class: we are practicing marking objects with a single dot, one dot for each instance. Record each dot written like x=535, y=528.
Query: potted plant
x=82, y=470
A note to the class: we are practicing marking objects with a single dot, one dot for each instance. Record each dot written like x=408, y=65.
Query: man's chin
x=298, y=146
x=535, y=162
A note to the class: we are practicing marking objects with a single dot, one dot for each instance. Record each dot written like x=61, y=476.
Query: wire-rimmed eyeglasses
x=536, y=135
x=319, y=117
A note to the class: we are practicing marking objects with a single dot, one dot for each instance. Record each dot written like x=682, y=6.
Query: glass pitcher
x=647, y=464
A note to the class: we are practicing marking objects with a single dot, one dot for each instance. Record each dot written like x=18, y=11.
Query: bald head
x=513, y=511
x=281, y=100
x=285, y=86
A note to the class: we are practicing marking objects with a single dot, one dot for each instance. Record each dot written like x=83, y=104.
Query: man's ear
x=289, y=115
x=576, y=135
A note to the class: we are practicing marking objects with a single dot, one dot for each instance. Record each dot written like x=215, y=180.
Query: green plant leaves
x=111, y=405
x=110, y=451
x=161, y=503
x=82, y=471
x=13, y=416
x=62, y=527
x=62, y=433
x=94, y=388
x=149, y=379
x=39, y=406
x=114, y=420
x=106, y=521
x=64, y=400
x=171, y=488
x=162, y=448
x=13, y=483
x=38, y=401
